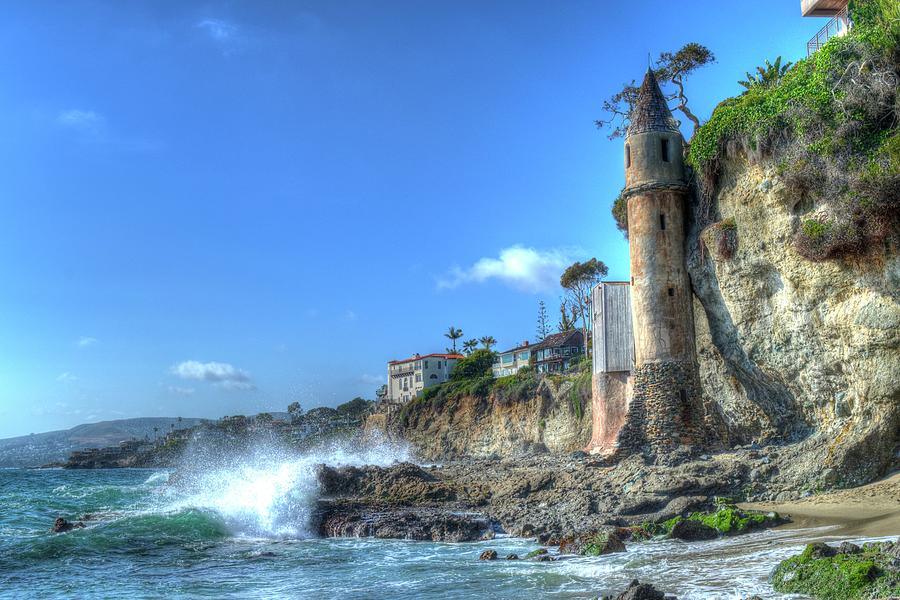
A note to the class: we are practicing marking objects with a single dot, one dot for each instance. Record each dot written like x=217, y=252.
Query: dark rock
x=693, y=531
x=578, y=455
x=62, y=526
x=536, y=553
x=545, y=558
x=640, y=591
x=849, y=548
x=512, y=557
x=423, y=524
x=818, y=550
x=488, y=555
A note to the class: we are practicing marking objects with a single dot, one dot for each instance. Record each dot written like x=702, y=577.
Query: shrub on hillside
x=833, y=119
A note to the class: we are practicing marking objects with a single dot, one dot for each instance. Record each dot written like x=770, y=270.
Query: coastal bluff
x=794, y=352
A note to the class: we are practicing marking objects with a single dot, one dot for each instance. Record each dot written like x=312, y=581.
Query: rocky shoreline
x=549, y=498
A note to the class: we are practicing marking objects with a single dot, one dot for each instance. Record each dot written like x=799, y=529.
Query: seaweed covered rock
x=690, y=530
x=728, y=519
x=594, y=544
x=845, y=573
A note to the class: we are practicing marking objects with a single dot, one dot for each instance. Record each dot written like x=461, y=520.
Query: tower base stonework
x=665, y=411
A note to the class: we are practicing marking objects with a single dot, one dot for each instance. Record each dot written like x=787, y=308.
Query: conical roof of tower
x=651, y=111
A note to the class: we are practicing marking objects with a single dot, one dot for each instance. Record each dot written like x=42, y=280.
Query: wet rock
x=544, y=558
x=423, y=524
x=693, y=531
x=512, y=557
x=849, y=548
x=640, y=591
x=536, y=553
x=61, y=525
x=819, y=550
x=595, y=544
x=488, y=555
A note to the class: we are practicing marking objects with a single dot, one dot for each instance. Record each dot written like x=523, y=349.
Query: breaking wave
x=271, y=495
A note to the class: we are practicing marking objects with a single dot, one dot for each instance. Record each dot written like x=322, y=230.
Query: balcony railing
x=838, y=25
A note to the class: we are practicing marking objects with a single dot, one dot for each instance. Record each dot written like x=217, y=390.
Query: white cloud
x=84, y=121
x=66, y=377
x=219, y=30
x=222, y=374
x=350, y=315
x=85, y=341
x=237, y=385
x=525, y=269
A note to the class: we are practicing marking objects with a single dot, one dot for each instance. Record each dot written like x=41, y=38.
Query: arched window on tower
x=627, y=156
x=664, y=149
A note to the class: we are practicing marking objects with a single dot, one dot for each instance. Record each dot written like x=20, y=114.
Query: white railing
x=838, y=25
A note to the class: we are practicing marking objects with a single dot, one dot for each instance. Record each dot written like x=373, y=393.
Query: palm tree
x=487, y=341
x=453, y=334
x=469, y=346
x=767, y=76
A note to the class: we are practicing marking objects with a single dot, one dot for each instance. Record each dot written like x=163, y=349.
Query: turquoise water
x=242, y=533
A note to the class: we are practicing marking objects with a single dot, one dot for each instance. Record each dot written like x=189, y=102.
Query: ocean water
x=241, y=531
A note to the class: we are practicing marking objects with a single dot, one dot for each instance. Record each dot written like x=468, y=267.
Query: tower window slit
x=662, y=221
x=671, y=291
x=664, y=147
x=627, y=156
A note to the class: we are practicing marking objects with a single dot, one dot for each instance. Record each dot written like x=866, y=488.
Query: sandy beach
x=869, y=510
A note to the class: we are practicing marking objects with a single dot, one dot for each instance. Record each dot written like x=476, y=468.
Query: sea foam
x=270, y=493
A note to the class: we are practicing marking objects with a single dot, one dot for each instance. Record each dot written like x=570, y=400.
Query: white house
x=510, y=361
x=406, y=378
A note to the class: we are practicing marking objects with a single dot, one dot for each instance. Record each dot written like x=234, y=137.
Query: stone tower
x=666, y=405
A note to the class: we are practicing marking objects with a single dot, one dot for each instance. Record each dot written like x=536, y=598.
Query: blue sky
x=218, y=208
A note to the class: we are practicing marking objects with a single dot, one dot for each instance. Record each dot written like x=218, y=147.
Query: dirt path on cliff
x=869, y=510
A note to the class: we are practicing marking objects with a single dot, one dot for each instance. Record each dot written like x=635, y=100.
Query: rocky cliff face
x=555, y=419
x=790, y=348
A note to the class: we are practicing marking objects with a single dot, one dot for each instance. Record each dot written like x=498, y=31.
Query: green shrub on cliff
x=832, y=120
x=478, y=364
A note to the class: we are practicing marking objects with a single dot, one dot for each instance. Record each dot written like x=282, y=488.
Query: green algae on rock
x=845, y=573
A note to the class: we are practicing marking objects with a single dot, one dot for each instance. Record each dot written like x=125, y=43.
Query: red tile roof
x=406, y=360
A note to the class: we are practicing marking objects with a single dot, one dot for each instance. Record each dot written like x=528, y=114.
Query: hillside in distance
x=54, y=446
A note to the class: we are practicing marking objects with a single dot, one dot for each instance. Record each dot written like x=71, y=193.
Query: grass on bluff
x=473, y=377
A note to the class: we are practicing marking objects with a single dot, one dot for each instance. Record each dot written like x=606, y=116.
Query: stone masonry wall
x=665, y=410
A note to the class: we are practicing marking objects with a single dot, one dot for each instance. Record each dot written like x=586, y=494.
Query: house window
x=627, y=156
x=664, y=147
x=662, y=221
x=425, y=364
x=433, y=376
